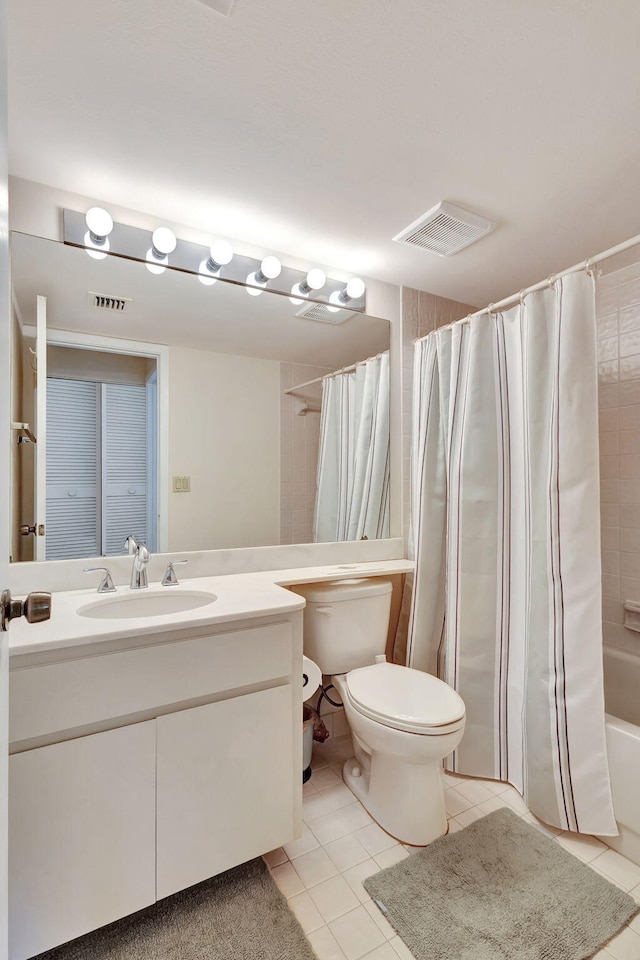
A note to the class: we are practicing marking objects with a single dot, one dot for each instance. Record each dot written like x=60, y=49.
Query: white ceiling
x=322, y=127
x=176, y=309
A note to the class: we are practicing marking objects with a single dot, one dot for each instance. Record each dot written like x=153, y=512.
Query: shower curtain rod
x=349, y=369
x=583, y=265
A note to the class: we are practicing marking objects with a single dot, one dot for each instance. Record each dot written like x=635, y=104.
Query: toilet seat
x=405, y=699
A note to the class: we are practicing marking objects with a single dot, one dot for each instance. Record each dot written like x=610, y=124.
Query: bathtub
x=622, y=702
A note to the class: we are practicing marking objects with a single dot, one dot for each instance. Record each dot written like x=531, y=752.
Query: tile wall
x=299, y=440
x=618, y=331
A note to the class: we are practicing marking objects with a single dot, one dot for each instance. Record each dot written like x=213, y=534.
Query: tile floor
x=321, y=874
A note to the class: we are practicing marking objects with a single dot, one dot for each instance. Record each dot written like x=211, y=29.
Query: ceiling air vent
x=117, y=304
x=317, y=311
x=445, y=229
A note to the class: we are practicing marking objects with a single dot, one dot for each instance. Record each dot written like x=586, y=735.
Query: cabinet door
x=225, y=785
x=81, y=836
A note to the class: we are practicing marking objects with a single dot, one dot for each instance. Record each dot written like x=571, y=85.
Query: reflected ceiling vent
x=318, y=311
x=117, y=304
x=445, y=229
x=220, y=6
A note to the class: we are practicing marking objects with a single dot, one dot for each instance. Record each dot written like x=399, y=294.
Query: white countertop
x=238, y=597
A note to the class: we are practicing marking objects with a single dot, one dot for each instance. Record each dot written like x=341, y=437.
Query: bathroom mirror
x=158, y=407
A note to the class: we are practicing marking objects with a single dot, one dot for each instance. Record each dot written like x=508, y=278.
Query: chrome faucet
x=141, y=557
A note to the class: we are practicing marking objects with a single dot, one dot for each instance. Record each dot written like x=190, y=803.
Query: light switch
x=182, y=484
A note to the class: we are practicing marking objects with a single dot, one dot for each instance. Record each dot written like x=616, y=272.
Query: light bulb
x=97, y=251
x=252, y=289
x=100, y=224
x=269, y=268
x=220, y=253
x=353, y=291
x=316, y=279
x=163, y=242
x=298, y=295
x=355, y=288
x=153, y=262
x=204, y=274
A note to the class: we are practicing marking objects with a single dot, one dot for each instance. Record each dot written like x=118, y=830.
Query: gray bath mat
x=238, y=914
x=499, y=890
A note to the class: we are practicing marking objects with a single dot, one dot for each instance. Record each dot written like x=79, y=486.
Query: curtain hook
x=521, y=298
x=550, y=281
x=490, y=310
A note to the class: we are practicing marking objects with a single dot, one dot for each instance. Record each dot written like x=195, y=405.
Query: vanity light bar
x=161, y=250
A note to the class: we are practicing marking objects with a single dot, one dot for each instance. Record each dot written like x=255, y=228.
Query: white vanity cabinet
x=137, y=772
x=82, y=828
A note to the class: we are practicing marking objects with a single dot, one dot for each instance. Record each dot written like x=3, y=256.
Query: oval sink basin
x=146, y=605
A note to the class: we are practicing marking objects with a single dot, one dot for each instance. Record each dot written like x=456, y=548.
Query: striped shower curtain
x=506, y=601
x=352, y=492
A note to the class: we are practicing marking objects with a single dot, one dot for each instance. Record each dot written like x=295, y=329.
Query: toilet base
x=413, y=811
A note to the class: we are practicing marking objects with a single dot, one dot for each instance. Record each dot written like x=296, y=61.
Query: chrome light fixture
x=353, y=291
x=220, y=254
x=314, y=280
x=99, y=225
x=163, y=242
x=269, y=269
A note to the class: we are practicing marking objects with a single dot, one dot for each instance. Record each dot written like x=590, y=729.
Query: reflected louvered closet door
x=124, y=448
x=73, y=528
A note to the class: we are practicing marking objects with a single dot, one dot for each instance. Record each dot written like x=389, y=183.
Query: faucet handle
x=131, y=544
x=106, y=584
x=170, y=579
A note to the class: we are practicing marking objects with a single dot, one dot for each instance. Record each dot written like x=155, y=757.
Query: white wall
x=224, y=432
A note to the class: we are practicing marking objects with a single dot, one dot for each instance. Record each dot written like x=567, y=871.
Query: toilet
x=404, y=722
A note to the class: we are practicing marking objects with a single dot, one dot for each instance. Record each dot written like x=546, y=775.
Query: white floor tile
x=455, y=803
x=380, y=920
x=333, y=898
x=304, y=844
x=493, y=803
x=355, y=816
x=275, y=857
x=329, y=827
x=308, y=788
x=619, y=868
x=635, y=893
x=288, y=881
x=385, y=952
x=314, y=867
x=470, y=816
x=374, y=839
x=582, y=846
x=515, y=801
x=315, y=806
x=346, y=852
x=495, y=786
x=401, y=949
x=626, y=946
x=326, y=777
x=635, y=923
x=454, y=826
x=338, y=796
x=356, y=933
x=306, y=912
x=388, y=857
x=355, y=875
x=474, y=791
x=325, y=945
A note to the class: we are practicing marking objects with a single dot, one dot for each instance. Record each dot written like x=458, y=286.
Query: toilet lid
x=407, y=699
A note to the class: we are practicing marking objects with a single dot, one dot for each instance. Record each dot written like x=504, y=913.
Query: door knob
x=35, y=609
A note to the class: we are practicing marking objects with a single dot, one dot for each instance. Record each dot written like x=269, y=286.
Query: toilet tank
x=345, y=622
